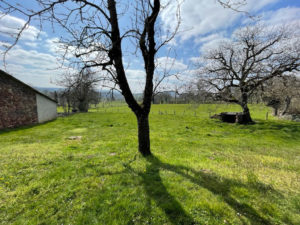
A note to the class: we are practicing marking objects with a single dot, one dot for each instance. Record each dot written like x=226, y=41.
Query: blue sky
x=203, y=23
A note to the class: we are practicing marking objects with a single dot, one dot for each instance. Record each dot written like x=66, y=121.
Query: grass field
x=202, y=172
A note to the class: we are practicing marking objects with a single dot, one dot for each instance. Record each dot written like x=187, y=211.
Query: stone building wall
x=17, y=103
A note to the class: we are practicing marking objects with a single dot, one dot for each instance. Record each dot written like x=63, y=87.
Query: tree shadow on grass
x=157, y=191
x=173, y=209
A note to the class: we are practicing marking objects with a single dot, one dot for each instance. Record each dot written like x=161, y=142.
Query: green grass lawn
x=202, y=172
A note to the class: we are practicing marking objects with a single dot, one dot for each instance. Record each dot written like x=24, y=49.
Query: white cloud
x=212, y=44
x=135, y=74
x=136, y=80
x=31, y=58
x=203, y=17
x=32, y=67
x=10, y=26
x=67, y=52
x=4, y=44
x=53, y=45
x=288, y=15
x=31, y=44
x=208, y=38
x=37, y=77
x=169, y=63
x=283, y=15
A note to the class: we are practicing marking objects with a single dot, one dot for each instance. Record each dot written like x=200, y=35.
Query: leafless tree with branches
x=95, y=38
x=279, y=93
x=256, y=54
x=80, y=86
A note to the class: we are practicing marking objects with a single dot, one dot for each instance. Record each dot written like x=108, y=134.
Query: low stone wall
x=17, y=104
x=233, y=117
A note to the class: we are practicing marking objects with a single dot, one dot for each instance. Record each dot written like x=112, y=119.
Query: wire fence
x=205, y=110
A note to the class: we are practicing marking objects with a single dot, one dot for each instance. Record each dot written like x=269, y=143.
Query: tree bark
x=287, y=105
x=246, y=113
x=69, y=105
x=275, y=111
x=247, y=117
x=83, y=105
x=153, y=99
x=143, y=134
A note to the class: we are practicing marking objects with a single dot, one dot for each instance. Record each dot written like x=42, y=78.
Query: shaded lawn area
x=202, y=172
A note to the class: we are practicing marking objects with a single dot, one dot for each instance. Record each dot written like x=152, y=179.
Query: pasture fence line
x=200, y=112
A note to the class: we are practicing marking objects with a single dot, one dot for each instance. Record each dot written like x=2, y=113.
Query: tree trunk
x=148, y=50
x=83, y=105
x=275, y=111
x=143, y=134
x=246, y=118
x=69, y=105
x=246, y=115
x=287, y=105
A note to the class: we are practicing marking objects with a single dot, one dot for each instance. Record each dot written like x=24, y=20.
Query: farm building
x=21, y=104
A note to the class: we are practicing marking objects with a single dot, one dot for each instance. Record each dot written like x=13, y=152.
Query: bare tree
x=164, y=72
x=279, y=93
x=187, y=93
x=96, y=38
x=95, y=97
x=256, y=54
x=202, y=93
x=80, y=86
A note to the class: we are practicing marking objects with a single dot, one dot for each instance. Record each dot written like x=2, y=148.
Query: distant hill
x=45, y=89
x=104, y=93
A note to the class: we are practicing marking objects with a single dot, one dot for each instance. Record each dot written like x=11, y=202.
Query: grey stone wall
x=17, y=103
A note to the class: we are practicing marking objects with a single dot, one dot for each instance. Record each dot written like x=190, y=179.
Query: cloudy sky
x=35, y=61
